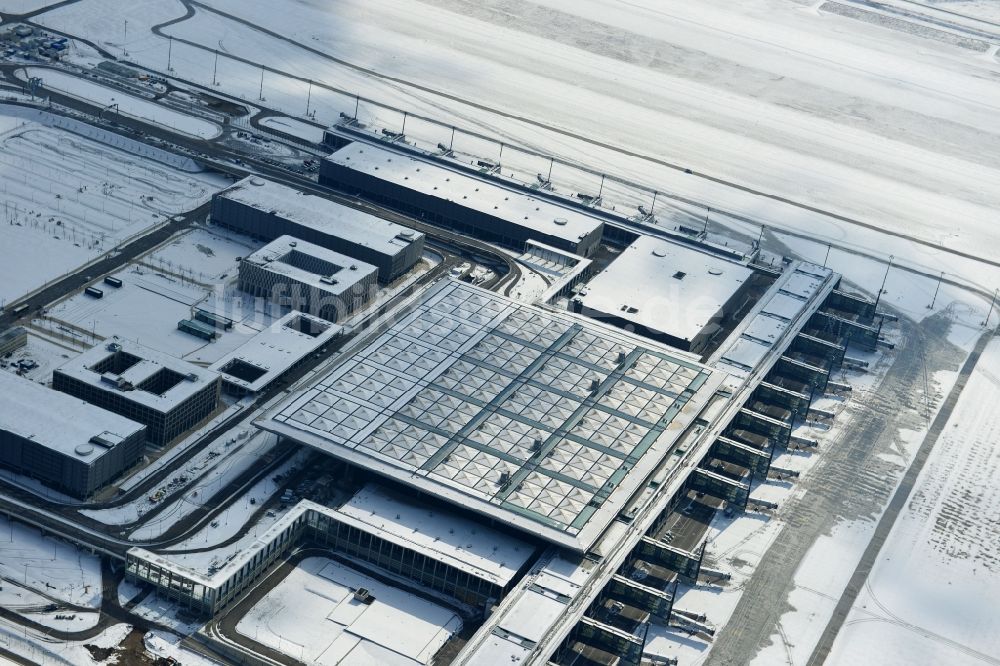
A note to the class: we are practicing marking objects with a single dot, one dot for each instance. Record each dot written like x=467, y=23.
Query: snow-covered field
x=205, y=255
x=987, y=10
x=45, y=651
x=888, y=127
x=312, y=616
x=932, y=596
x=49, y=565
x=23, y=6
x=738, y=545
x=68, y=199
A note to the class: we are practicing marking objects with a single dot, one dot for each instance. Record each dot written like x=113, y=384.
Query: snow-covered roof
x=443, y=182
x=529, y=612
x=445, y=537
x=151, y=362
x=541, y=419
x=665, y=287
x=339, y=273
x=276, y=349
x=449, y=539
x=59, y=421
x=793, y=295
x=322, y=214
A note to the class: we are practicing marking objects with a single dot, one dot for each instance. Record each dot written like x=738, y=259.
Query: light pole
x=986, y=322
x=170, y=51
x=261, y=95
x=884, y=278
x=215, y=69
x=936, y=290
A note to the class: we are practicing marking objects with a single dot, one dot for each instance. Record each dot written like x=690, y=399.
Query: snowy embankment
x=120, y=102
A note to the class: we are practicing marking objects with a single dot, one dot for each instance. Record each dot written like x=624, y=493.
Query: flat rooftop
x=443, y=536
x=322, y=214
x=542, y=420
x=142, y=375
x=312, y=616
x=443, y=182
x=792, y=296
x=311, y=264
x=276, y=349
x=58, y=421
x=665, y=287
x=529, y=612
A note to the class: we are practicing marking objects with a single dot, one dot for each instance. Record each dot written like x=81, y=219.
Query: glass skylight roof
x=516, y=411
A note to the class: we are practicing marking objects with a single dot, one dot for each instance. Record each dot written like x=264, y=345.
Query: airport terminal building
x=668, y=292
x=268, y=356
x=267, y=210
x=447, y=553
x=70, y=445
x=537, y=419
x=302, y=276
x=167, y=395
x=458, y=200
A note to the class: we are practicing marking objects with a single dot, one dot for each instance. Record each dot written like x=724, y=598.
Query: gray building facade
x=67, y=444
x=458, y=200
x=167, y=395
x=267, y=210
x=306, y=277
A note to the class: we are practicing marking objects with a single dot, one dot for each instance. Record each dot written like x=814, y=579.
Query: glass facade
x=310, y=526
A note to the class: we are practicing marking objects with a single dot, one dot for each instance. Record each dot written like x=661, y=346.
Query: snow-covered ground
x=48, y=565
x=312, y=616
x=932, y=595
x=987, y=10
x=235, y=518
x=167, y=645
x=889, y=127
x=45, y=651
x=125, y=104
x=737, y=545
x=181, y=446
x=46, y=353
x=294, y=127
x=206, y=473
x=205, y=255
x=32, y=605
x=68, y=199
x=23, y=6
